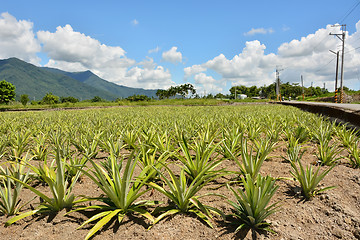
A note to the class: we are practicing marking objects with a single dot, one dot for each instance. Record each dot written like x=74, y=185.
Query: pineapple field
x=172, y=172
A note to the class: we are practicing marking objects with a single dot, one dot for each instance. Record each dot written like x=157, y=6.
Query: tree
x=184, y=90
x=24, y=99
x=97, y=99
x=7, y=92
x=138, y=98
x=69, y=100
x=49, y=98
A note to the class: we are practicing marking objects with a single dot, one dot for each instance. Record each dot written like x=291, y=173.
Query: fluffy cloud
x=151, y=78
x=172, y=55
x=206, y=84
x=70, y=46
x=17, y=39
x=308, y=56
x=254, y=31
x=193, y=70
x=318, y=42
x=251, y=67
x=73, y=51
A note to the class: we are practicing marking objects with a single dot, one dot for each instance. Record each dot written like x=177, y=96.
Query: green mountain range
x=38, y=81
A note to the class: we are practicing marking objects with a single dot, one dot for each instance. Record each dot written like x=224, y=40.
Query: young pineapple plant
x=40, y=150
x=327, y=152
x=294, y=150
x=251, y=163
x=204, y=149
x=231, y=142
x=61, y=188
x=354, y=156
x=121, y=189
x=183, y=195
x=19, y=143
x=309, y=179
x=346, y=136
x=10, y=189
x=252, y=205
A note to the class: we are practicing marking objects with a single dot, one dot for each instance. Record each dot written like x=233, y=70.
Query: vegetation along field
x=171, y=172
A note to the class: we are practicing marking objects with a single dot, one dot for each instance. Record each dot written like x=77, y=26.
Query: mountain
x=93, y=80
x=37, y=81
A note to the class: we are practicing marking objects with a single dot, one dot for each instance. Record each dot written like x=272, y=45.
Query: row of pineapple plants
x=65, y=147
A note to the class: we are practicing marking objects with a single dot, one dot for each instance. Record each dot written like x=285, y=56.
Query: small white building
x=241, y=96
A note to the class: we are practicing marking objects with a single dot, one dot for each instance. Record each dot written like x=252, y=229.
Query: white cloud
x=17, y=39
x=248, y=67
x=254, y=31
x=150, y=78
x=74, y=51
x=206, y=84
x=134, y=22
x=172, y=55
x=70, y=46
x=155, y=50
x=320, y=41
x=308, y=56
x=193, y=70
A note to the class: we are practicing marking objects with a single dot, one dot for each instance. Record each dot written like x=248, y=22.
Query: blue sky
x=211, y=44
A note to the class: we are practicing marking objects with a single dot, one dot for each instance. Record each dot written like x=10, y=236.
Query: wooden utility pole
x=302, y=85
x=278, y=94
x=336, y=75
x=342, y=38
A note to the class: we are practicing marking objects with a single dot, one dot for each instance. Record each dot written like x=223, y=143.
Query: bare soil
x=335, y=214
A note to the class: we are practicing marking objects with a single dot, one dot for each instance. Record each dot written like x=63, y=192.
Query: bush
x=138, y=98
x=69, y=100
x=97, y=99
x=49, y=98
x=24, y=99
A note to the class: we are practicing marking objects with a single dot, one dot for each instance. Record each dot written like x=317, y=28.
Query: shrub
x=97, y=99
x=138, y=98
x=24, y=99
x=251, y=206
x=49, y=98
x=69, y=100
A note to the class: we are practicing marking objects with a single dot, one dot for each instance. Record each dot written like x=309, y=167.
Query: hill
x=37, y=81
x=93, y=80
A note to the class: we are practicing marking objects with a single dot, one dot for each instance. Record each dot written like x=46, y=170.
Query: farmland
x=165, y=172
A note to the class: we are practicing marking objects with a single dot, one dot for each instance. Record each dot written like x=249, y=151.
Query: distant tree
x=137, y=98
x=49, y=98
x=7, y=92
x=161, y=93
x=220, y=95
x=184, y=90
x=24, y=99
x=97, y=99
x=69, y=99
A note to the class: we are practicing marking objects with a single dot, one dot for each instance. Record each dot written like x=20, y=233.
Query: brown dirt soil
x=335, y=214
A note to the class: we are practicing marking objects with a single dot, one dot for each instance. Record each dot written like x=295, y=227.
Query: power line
x=349, y=12
x=325, y=65
x=352, y=50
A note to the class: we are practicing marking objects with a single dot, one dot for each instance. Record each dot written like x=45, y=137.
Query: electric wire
x=349, y=12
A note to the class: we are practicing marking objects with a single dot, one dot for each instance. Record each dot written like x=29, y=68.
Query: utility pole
x=342, y=38
x=302, y=85
x=336, y=75
x=278, y=94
